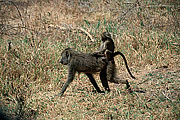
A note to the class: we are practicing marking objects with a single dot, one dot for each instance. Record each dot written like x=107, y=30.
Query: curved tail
x=119, y=53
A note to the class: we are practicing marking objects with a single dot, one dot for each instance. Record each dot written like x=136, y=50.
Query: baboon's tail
x=119, y=53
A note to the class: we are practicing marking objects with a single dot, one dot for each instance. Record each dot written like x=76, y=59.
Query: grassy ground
x=147, y=32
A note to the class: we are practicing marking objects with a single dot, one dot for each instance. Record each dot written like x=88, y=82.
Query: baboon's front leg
x=94, y=83
x=103, y=77
x=71, y=75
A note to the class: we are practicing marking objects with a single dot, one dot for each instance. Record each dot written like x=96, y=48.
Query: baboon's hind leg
x=92, y=80
x=111, y=69
x=103, y=77
x=112, y=77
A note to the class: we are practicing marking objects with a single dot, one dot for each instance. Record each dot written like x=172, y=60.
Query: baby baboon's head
x=105, y=36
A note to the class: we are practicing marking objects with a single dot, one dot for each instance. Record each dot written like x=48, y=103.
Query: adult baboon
x=86, y=63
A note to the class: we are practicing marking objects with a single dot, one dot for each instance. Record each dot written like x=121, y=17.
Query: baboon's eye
x=67, y=54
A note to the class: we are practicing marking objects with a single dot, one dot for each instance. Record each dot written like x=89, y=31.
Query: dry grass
x=146, y=32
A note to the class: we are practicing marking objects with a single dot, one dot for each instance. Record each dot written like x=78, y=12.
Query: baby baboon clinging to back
x=106, y=49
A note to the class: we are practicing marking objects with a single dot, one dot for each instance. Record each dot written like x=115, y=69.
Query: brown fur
x=86, y=63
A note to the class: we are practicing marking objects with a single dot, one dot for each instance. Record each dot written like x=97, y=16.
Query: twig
x=166, y=96
x=74, y=28
x=87, y=33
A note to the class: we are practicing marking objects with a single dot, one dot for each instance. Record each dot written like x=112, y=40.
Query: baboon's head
x=105, y=36
x=66, y=55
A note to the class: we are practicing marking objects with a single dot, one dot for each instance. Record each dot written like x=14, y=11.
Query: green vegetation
x=147, y=32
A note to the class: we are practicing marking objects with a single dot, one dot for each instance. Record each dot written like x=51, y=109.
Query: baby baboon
x=86, y=63
x=107, y=49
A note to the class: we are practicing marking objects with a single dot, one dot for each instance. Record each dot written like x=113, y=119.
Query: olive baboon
x=86, y=63
x=106, y=49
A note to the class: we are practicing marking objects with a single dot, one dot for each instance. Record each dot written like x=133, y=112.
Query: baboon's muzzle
x=61, y=61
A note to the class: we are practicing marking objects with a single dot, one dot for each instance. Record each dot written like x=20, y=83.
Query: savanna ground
x=34, y=33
